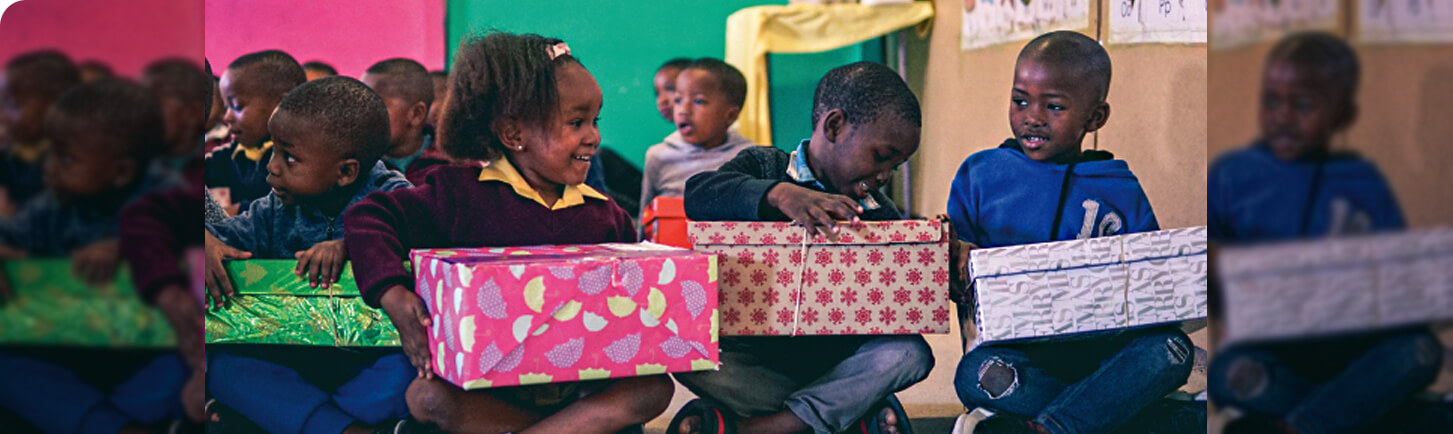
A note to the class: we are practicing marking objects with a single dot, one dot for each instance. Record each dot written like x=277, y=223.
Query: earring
x=519, y=148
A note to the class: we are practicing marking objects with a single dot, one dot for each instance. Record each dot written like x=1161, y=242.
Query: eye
x=1056, y=107
x=699, y=101
x=676, y=100
x=597, y=121
x=577, y=122
x=289, y=158
x=879, y=157
x=1018, y=102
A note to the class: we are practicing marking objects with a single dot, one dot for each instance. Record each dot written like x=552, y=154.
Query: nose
x=1034, y=116
x=275, y=165
x=229, y=117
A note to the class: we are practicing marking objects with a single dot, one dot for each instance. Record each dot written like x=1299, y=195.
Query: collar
x=30, y=152
x=801, y=173
x=254, y=155
x=500, y=170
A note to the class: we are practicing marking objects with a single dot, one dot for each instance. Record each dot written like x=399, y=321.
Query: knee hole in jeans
x=1179, y=350
x=997, y=378
x=1247, y=378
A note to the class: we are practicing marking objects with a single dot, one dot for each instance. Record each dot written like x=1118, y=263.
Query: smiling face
x=856, y=159
x=559, y=152
x=1050, y=110
x=1300, y=111
x=248, y=108
x=703, y=111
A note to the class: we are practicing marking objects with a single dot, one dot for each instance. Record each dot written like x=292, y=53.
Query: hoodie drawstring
x=1064, y=194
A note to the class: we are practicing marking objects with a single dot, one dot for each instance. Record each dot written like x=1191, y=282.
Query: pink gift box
x=876, y=278
x=549, y=314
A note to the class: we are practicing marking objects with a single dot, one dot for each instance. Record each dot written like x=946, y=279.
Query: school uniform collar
x=253, y=155
x=500, y=170
x=801, y=173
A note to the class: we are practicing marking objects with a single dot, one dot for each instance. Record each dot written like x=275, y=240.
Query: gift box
x=546, y=314
x=50, y=306
x=664, y=222
x=275, y=306
x=1065, y=289
x=875, y=278
x=1330, y=286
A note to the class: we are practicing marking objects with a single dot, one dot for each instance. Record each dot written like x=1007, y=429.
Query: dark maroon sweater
x=452, y=208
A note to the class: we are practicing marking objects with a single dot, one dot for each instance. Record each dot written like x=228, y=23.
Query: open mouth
x=582, y=157
x=685, y=127
x=1033, y=141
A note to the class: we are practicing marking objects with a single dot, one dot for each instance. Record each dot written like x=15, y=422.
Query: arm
x=250, y=230
x=154, y=231
x=381, y=229
x=735, y=191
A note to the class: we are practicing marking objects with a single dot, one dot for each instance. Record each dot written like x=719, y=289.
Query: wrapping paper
x=52, y=307
x=548, y=314
x=664, y=222
x=877, y=278
x=1313, y=288
x=1060, y=289
x=275, y=306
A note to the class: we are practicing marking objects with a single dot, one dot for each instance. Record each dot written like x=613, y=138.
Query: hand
x=96, y=263
x=185, y=317
x=813, y=209
x=219, y=287
x=959, y=264
x=411, y=318
x=322, y=264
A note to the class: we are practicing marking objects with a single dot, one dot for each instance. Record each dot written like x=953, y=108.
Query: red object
x=664, y=222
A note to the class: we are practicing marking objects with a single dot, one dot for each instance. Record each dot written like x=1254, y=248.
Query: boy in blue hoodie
x=1039, y=186
x=328, y=136
x=1289, y=184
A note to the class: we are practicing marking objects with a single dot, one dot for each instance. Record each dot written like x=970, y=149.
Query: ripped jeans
x=1089, y=385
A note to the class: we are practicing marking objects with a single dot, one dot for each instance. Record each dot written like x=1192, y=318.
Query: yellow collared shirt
x=500, y=170
x=252, y=154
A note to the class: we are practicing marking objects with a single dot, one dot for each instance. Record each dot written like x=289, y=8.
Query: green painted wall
x=622, y=43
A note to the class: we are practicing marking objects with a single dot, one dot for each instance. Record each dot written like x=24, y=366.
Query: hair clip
x=557, y=50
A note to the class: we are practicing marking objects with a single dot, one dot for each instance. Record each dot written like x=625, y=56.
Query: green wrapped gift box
x=52, y=307
x=275, y=306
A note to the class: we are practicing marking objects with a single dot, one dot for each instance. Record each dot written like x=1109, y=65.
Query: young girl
x=529, y=109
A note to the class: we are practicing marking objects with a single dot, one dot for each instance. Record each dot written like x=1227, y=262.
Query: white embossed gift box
x=1067, y=288
x=877, y=278
x=1330, y=286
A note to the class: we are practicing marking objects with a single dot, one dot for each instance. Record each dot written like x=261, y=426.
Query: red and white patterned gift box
x=548, y=314
x=877, y=278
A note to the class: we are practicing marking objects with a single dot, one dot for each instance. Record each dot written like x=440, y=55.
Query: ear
x=732, y=114
x=348, y=171
x=418, y=113
x=834, y=123
x=125, y=171
x=511, y=133
x=1098, y=116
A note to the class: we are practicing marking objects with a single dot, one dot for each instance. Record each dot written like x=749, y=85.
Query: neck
x=549, y=191
x=813, y=164
x=410, y=145
x=715, y=143
x=335, y=202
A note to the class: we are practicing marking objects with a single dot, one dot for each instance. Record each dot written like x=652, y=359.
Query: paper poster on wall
x=1241, y=22
x=992, y=22
x=1150, y=21
x=1401, y=21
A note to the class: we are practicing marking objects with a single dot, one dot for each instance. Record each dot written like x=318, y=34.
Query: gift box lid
x=1333, y=253
x=535, y=254
x=788, y=234
x=1064, y=255
x=664, y=207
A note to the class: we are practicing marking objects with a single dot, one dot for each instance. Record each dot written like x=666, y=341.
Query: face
x=183, y=122
x=305, y=163
x=441, y=88
x=857, y=159
x=665, y=83
x=703, y=112
x=22, y=116
x=247, y=109
x=398, y=113
x=219, y=109
x=1050, y=110
x=560, y=151
x=1299, y=113
x=79, y=166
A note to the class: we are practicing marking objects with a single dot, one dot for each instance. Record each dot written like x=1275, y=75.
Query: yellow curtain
x=802, y=28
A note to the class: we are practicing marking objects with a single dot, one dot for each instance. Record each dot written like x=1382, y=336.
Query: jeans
x=55, y=400
x=1326, y=385
x=828, y=382
x=1091, y=385
x=280, y=400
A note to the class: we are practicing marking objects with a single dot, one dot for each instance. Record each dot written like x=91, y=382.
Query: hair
x=125, y=115
x=276, y=71
x=865, y=91
x=403, y=79
x=101, y=69
x=346, y=110
x=497, y=77
x=678, y=63
x=1323, y=54
x=731, y=81
x=43, y=74
x=318, y=65
x=179, y=79
x=1075, y=54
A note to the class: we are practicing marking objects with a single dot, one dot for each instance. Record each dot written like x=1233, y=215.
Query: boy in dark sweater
x=866, y=122
x=32, y=83
x=407, y=90
x=251, y=87
x=329, y=135
x=1290, y=184
x=1039, y=186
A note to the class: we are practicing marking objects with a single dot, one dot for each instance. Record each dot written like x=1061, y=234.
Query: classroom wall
x=125, y=35
x=348, y=34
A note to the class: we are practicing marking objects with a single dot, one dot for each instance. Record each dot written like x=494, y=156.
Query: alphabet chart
x=1415, y=21
x=992, y=22
x=1145, y=21
x=1240, y=22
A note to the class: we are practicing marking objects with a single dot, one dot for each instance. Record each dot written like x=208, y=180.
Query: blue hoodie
x=1253, y=196
x=271, y=230
x=1000, y=197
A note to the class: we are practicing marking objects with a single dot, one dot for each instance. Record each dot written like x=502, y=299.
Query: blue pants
x=828, y=382
x=55, y=400
x=1085, y=386
x=278, y=398
x=1327, y=385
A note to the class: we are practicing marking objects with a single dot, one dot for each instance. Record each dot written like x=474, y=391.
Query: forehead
x=1284, y=73
x=1049, y=76
x=578, y=88
x=699, y=80
x=243, y=82
x=300, y=133
x=891, y=130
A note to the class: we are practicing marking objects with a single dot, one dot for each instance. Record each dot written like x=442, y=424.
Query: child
x=33, y=81
x=441, y=89
x=103, y=136
x=185, y=94
x=317, y=69
x=665, y=86
x=1290, y=184
x=1040, y=186
x=407, y=90
x=251, y=87
x=330, y=133
x=527, y=107
x=865, y=123
x=708, y=97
